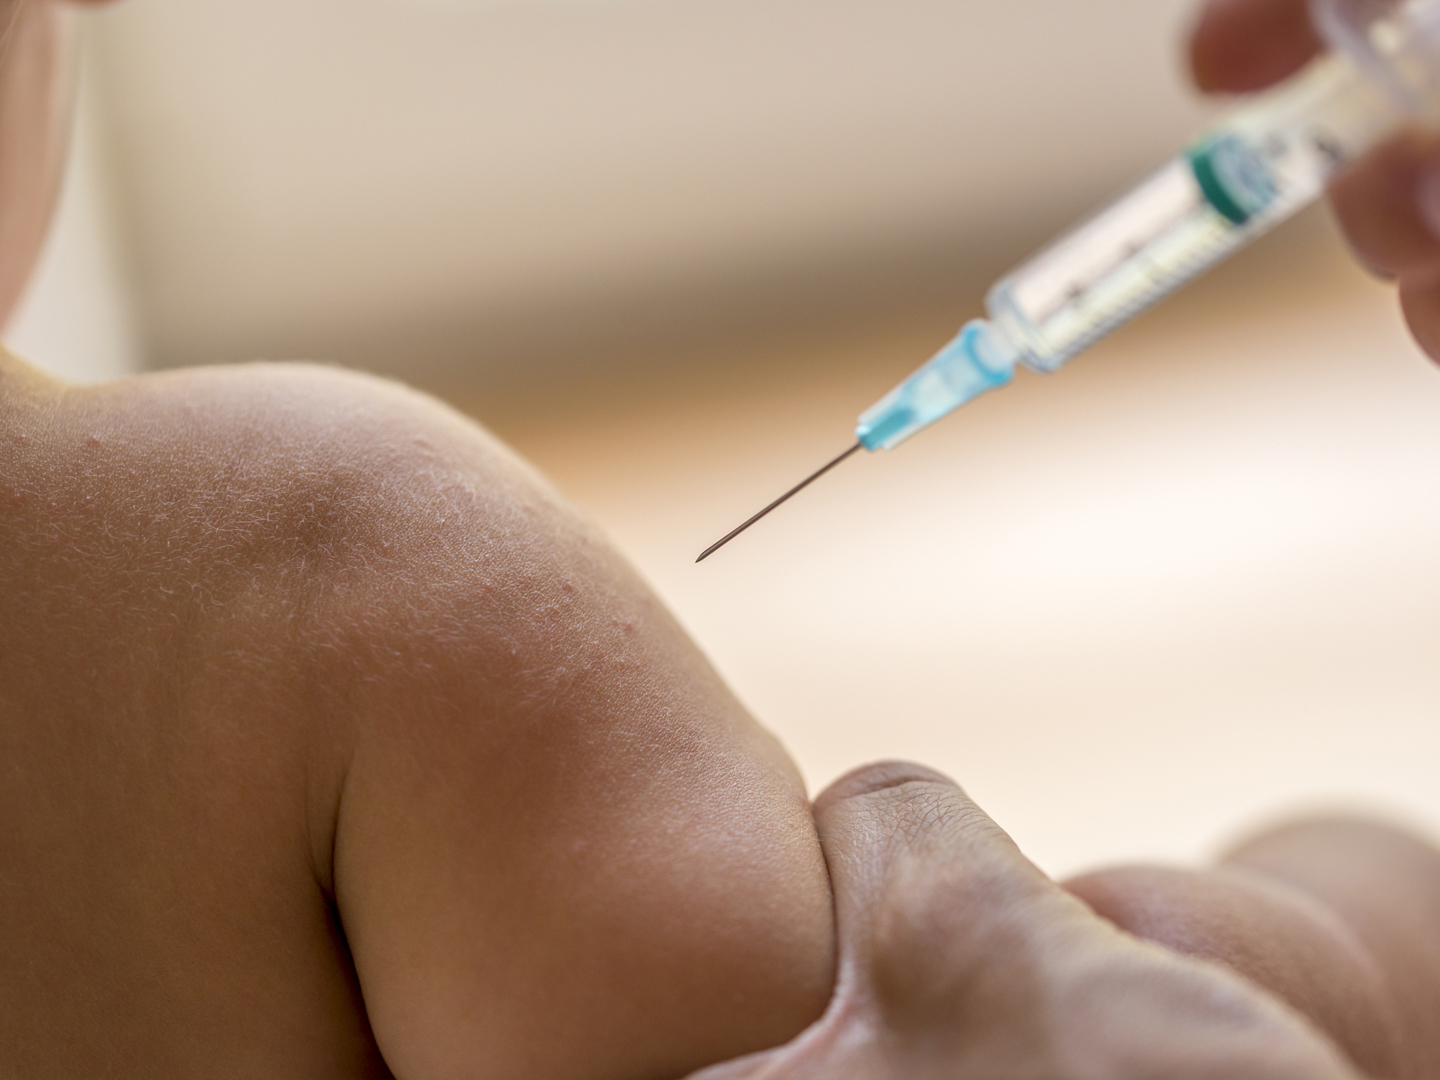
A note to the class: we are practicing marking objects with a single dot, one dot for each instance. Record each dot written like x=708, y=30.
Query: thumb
x=927, y=888
x=923, y=881
x=960, y=959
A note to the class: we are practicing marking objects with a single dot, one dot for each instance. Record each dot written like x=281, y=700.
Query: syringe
x=1246, y=175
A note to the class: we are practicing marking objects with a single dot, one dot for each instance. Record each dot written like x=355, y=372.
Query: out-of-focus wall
x=1133, y=607
x=439, y=189
x=77, y=318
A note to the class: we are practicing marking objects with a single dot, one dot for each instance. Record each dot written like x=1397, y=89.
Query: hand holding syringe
x=1252, y=171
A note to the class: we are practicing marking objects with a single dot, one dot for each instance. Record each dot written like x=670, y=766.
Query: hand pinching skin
x=959, y=959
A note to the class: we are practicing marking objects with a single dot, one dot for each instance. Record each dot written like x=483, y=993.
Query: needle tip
x=783, y=498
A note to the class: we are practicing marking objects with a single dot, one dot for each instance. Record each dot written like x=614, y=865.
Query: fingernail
x=1427, y=196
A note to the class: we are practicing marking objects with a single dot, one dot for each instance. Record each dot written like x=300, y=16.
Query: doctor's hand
x=1389, y=203
x=959, y=960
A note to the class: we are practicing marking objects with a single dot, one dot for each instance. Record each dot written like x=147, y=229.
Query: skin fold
x=334, y=744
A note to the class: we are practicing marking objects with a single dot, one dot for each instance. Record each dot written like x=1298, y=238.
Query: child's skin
x=279, y=638
x=333, y=744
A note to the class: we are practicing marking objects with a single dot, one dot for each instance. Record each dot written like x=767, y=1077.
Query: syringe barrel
x=1241, y=179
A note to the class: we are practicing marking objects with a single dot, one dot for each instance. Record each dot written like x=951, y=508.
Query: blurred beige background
x=670, y=249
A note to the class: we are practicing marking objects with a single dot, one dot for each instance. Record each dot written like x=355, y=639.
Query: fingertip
x=1420, y=301
x=1238, y=46
x=872, y=821
x=880, y=776
x=895, y=813
x=1388, y=206
x=1208, y=55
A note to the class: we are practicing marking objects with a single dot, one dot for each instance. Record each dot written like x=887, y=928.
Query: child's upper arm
x=562, y=848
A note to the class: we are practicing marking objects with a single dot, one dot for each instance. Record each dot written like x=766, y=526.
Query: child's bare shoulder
x=558, y=845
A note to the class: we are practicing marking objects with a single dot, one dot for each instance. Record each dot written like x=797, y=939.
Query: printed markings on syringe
x=1138, y=245
x=1135, y=255
x=1331, y=149
x=1197, y=242
x=1094, y=251
x=1139, y=258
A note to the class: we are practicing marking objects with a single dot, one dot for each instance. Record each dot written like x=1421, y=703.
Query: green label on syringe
x=1234, y=178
